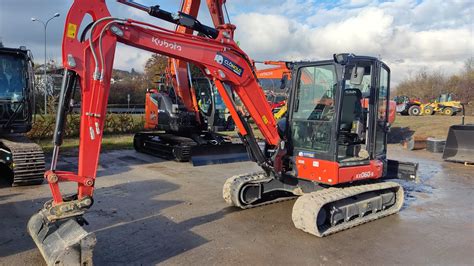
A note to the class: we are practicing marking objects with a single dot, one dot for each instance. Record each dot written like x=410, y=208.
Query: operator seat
x=351, y=109
x=349, y=143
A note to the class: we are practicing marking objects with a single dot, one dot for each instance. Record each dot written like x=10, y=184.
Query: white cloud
x=408, y=35
x=127, y=57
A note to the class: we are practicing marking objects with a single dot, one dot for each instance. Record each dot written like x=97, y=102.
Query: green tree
x=155, y=66
x=428, y=85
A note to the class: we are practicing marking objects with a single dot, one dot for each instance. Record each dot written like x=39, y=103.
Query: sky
x=409, y=35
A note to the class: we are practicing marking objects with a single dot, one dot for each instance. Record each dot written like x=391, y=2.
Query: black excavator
x=21, y=160
x=181, y=135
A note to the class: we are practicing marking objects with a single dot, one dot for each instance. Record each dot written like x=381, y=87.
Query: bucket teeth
x=62, y=242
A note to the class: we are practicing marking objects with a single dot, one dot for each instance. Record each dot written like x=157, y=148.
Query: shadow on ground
x=127, y=219
x=398, y=134
x=14, y=218
x=131, y=228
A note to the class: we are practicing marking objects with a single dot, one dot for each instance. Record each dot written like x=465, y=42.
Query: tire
x=137, y=143
x=404, y=113
x=414, y=110
x=428, y=110
x=448, y=111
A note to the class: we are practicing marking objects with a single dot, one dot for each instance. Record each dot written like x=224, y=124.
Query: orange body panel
x=331, y=173
x=151, y=111
x=392, y=111
x=272, y=73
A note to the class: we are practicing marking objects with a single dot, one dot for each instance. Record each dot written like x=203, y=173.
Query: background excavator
x=275, y=82
x=189, y=110
x=329, y=150
x=21, y=160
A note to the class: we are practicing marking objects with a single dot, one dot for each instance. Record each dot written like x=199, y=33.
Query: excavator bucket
x=62, y=243
x=218, y=154
x=460, y=144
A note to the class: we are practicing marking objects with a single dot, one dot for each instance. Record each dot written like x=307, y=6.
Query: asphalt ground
x=150, y=211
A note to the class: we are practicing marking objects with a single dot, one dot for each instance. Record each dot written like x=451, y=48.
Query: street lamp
x=44, y=67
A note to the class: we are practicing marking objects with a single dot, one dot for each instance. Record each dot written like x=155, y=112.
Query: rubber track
x=307, y=207
x=28, y=160
x=183, y=149
x=233, y=185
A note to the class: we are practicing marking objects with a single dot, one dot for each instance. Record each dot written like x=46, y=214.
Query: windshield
x=314, y=107
x=12, y=77
x=271, y=85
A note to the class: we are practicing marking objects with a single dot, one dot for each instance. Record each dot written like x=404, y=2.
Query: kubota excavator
x=329, y=150
x=189, y=111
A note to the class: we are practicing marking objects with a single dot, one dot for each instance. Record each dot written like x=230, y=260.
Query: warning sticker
x=71, y=30
x=265, y=119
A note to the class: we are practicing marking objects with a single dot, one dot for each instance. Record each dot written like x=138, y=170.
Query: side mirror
x=357, y=75
x=281, y=127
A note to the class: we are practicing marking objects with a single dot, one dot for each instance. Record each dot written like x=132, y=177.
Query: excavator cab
x=339, y=112
x=16, y=90
x=211, y=106
x=21, y=160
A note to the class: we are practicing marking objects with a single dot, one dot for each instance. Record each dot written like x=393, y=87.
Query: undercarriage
x=319, y=210
x=25, y=159
x=201, y=149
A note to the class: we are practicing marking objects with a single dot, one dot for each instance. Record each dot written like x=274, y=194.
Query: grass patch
x=436, y=126
x=432, y=126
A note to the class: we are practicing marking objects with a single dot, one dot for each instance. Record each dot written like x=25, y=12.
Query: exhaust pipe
x=62, y=242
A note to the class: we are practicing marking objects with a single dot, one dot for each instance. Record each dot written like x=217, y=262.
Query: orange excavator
x=275, y=81
x=188, y=111
x=329, y=150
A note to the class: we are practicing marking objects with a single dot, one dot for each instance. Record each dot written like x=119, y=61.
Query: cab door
x=313, y=111
x=382, y=100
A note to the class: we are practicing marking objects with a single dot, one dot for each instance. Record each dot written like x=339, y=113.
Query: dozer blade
x=62, y=243
x=218, y=154
x=460, y=144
